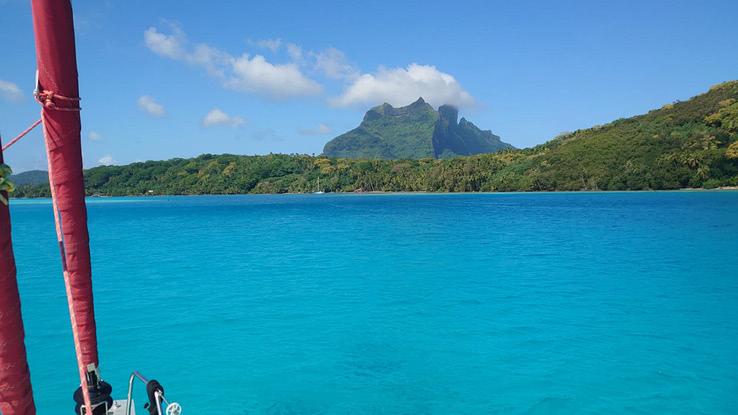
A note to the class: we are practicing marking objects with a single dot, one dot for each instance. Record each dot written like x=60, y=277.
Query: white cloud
x=334, y=64
x=168, y=46
x=107, y=160
x=10, y=91
x=256, y=75
x=147, y=104
x=95, y=136
x=295, y=53
x=246, y=74
x=400, y=86
x=271, y=44
x=322, y=129
x=215, y=61
x=217, y=117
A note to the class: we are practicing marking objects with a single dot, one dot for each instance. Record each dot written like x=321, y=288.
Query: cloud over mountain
x=399, y=86
x=255, y=74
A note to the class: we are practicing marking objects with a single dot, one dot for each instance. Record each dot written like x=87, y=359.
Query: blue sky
x=164, y=79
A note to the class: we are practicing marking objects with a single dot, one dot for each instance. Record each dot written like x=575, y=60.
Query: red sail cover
x=57, y=73
x=16, y=397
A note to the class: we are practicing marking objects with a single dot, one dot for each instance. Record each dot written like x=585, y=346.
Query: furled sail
x=57, y=91
x=16, y=396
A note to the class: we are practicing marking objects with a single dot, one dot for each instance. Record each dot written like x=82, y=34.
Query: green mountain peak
x=414, y=131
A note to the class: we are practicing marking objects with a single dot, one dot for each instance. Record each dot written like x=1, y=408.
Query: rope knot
x=49, y=98
x=49, y=102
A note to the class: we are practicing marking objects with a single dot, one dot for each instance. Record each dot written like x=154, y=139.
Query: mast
x=16, y=395
x=58, y=93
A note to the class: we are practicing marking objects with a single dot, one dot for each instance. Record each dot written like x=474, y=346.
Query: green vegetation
x=687, y=144
x=30, y=177
x=414, y=131
x=5, y=184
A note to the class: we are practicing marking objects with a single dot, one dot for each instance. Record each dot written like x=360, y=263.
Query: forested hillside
x=30, y=177
x=685, y=144
x=414, y=131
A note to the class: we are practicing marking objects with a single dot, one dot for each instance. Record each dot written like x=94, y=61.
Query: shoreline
x=685, y=190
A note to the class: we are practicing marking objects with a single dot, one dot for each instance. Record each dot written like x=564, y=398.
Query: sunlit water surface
x=600, y=303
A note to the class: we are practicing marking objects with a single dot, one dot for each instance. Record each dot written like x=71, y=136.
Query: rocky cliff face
x=449, y=113
x=414, y=131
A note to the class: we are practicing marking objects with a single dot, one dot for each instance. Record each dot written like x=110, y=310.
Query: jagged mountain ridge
x=413, y=131
x=687, y=144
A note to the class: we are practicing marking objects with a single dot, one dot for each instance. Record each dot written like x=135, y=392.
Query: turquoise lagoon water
x=600, y=303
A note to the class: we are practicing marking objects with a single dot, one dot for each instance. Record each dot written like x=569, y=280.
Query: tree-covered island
x=690, y=144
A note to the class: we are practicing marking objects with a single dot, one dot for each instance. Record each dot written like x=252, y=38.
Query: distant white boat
x=319, y=192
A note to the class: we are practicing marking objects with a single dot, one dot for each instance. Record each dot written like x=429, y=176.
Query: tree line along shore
x=689, y=144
